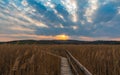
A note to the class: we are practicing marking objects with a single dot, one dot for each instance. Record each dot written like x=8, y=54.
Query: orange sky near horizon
x=5, y=38
x=62, y=37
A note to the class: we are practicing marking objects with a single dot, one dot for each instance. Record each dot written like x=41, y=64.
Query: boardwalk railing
x=76, y=66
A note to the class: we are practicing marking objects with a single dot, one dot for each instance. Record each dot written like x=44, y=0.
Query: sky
x=86, y=20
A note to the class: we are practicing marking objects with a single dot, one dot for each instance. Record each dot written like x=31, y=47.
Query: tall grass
x=38, y=59
x=99, y=59
x=27, y=60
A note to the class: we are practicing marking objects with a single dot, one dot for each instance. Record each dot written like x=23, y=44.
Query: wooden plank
x=65, y=67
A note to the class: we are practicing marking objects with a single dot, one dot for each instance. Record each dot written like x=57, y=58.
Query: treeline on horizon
x=60, y=42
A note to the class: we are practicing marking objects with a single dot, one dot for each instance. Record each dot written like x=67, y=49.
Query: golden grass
x=99, y=59
x=36, y=60
x=27, y=60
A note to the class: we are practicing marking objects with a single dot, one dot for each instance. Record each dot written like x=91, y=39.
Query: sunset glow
x=62, y=37
x=56, y=19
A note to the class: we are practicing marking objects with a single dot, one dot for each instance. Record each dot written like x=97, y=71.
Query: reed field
x=98, y=59
x=45, y=59
x=27, y=60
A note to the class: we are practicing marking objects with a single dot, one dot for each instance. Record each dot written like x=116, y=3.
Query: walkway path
x=65, y=67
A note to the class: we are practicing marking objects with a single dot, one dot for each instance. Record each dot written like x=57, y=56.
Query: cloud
x=85, y=38
x=32, y=21
x=6, y=37
x=19, y=28
x=24, y=3
x=93, y=5
x=116, y=39
x=72, y=7
x=93, y=18
x=106, y=12
x=32, y=37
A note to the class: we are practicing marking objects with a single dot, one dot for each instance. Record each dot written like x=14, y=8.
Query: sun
x=62, y=37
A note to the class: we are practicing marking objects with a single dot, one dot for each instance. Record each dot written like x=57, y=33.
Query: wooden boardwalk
x=77, y=67
x=65, y=67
